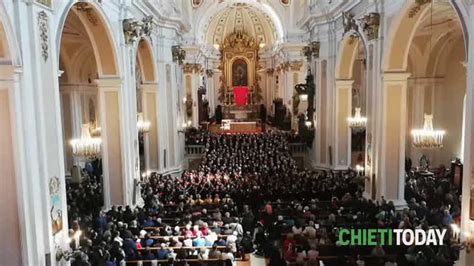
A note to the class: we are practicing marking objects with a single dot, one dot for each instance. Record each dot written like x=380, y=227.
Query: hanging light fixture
x=357, y=121
x=427, y=138
x=142, y=124
x=94, y=130
x=86, y=147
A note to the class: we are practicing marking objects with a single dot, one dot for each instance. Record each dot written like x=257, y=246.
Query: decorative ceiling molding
x=166, y=14
x=239, y=17
x=320, y=13
x=417, y=7
x=88, y=10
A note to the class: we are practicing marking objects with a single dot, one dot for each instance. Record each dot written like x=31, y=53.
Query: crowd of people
x=249, y=196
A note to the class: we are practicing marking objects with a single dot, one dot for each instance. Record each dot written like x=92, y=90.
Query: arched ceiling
x=76, y=53
x=439, y=29
x=240, y=17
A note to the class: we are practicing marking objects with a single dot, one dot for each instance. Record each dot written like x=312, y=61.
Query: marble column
x=150, y=113
x=342, y=151
x=115, y=184
x=390, y=175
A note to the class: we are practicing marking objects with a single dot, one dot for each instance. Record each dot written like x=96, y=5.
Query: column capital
x=395, y=76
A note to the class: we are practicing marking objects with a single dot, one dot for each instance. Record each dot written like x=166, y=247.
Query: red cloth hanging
x=241, y=95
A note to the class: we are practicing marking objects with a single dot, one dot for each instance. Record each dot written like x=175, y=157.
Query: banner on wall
x=55, y=199
x=241, y=95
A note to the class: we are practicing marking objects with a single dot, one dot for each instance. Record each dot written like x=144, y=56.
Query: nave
x=236, y=131
x=228, y=209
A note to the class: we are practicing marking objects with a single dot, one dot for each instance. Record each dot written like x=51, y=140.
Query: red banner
x=241, y=95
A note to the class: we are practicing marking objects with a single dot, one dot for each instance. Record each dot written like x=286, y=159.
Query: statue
x=348, y=22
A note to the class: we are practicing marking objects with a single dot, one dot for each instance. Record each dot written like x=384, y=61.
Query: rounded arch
x=348, y=50
x=403, y=31
x=146, y=61
x=99, y=33
x=446, y=41
x=9, y=49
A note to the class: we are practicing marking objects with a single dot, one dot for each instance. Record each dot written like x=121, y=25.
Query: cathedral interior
x=235, y=132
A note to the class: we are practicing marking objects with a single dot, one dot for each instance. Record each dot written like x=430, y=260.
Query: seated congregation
x=248, y=196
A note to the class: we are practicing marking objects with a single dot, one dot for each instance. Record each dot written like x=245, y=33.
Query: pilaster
x=342, y=138
x=390, y=176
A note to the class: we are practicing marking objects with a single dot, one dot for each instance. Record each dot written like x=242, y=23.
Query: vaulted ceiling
x=240, y=17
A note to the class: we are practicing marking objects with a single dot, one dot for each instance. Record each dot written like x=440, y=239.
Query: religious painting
x=55, y=210
x=239, y=73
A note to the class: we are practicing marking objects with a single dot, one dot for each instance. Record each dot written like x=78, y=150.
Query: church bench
x=172, y=262
x=181, y=237
x=176, y=248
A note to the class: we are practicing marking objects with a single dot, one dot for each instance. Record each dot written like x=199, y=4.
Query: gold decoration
x=189, y=105
x=87, y=8
x=239, y=41
x=296, y=65
x=192, y=68
x=418, y=4
x=241, y=49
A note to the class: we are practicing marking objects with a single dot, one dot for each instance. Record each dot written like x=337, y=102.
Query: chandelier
x=357, y=121
x=427, y=137
x=86, y=147
x=142, y=124
x=94, y=130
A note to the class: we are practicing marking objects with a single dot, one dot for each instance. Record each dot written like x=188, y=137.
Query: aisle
x=254, y=261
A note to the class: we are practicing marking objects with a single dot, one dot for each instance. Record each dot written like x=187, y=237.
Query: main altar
x=239, y=91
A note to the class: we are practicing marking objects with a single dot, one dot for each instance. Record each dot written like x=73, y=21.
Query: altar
x=239, y=88
x=239, y=126
x=243, y=112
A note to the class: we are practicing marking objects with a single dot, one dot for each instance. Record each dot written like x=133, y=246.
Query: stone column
x=211, y=91
x=390, y=175
x=342, y=138
x=116, y=185
x=271, y=86
x=150, y=113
